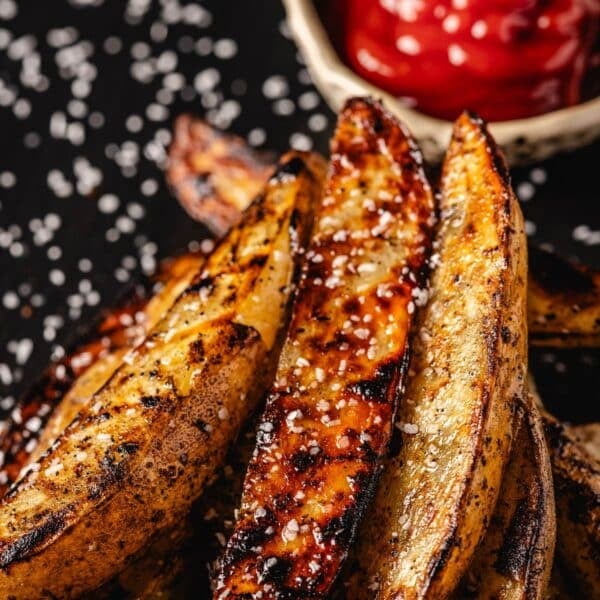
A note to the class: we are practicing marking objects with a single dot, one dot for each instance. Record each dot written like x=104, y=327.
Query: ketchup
x=506, y=59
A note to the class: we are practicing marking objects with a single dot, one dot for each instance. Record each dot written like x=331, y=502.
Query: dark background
x=113, y=58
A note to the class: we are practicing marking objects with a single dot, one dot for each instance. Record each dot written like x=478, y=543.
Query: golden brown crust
x=328, y=418
x=53, y=401
x=118, y=328
x=577, y=491
x=176, y=274
x=213, y=174
x=143, y=449
x=563, y=302
x=514, y=560
x=469, y=361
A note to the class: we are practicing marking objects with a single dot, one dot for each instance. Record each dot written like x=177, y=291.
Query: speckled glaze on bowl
x=523, y=140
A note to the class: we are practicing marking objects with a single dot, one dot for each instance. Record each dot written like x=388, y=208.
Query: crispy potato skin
x=328, y=419
x=577, y=490
x=563, y=302
x=18, y=438
x=144, y=447
x=514, y=560
x=438, y=493
x=213, y=174
x=178, y=274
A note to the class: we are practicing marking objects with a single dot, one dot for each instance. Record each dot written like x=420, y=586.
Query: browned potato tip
x=213, y=174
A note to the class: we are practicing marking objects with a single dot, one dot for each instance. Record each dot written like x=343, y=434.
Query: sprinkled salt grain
x=332, y=282
x=367, y=268
x=206, y=80
x=420, y=296
x=54, y=468
x=34, y=424
x=525, y=191
x=223, y=413
x=410, y=428
x=343, y=442
x=300, y=141
x=362, y=333
x=56, y=277
x=290, y=531
x=225, y=48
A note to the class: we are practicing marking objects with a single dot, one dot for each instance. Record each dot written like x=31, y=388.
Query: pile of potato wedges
x=333, y=403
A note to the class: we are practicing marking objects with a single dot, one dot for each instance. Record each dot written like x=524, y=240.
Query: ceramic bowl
x=523, y=140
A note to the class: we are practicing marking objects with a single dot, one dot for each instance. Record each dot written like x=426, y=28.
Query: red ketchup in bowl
x=506, y=59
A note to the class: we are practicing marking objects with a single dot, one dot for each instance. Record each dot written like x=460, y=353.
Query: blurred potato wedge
x=214, y=174
x=514, y=560
x=563, y=302
x=577, y=490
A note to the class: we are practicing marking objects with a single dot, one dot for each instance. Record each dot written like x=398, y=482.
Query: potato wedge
x=213, y=174
x=577, y=491
x=143, y=449
x=438, y=493
x=328, y=419
x=514, y=560
x=563, y=302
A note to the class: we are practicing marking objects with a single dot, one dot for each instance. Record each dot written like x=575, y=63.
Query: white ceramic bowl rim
x=560, y=129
